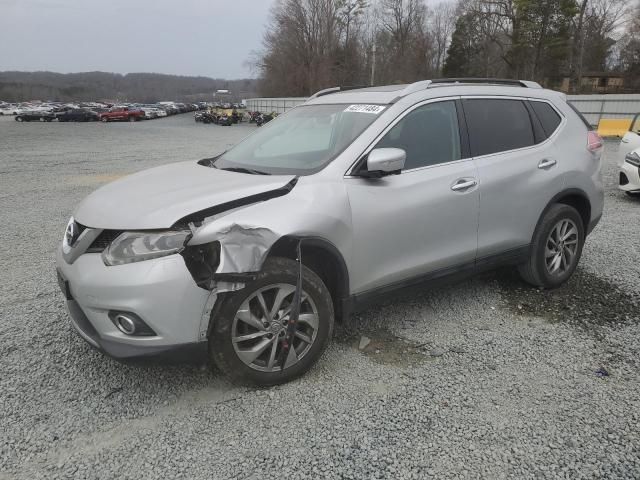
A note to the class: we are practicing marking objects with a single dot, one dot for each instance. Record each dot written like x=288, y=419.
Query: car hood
x=159, y=197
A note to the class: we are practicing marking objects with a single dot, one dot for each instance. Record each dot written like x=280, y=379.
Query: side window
x=429, y=134
x=497, y=125
x=548, y=117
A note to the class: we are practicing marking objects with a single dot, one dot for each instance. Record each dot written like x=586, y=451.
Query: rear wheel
x=19, y=119
x=556, y=248
x=132, y=118
x=104, y=119
x=249, y=327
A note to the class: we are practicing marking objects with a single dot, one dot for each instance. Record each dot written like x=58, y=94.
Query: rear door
x=425, y=219
x=519, y=170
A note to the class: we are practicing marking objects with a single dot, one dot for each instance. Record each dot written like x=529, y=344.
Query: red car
x=121, y=114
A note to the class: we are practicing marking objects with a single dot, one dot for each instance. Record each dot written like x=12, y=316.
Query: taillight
x=594, y=141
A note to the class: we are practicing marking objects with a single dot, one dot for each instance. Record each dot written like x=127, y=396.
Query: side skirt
x=360, y=301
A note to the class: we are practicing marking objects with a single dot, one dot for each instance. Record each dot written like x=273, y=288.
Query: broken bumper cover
x=161, y=292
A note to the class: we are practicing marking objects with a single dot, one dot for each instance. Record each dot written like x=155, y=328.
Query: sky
x=213, y=38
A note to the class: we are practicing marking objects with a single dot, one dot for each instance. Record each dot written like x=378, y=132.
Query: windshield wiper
x=243, y=170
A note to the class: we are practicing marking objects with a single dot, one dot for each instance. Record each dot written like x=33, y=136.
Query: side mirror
x=384, y=161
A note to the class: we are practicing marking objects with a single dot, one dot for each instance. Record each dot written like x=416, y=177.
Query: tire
x=132, y=118
x=277, y=273
x=19, y=119
x=547, y=254
x=104, y=119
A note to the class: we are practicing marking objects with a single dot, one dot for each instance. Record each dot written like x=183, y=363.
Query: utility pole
x=373, y=64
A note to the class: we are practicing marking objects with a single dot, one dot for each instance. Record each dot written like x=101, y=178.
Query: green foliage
x=463, y=50
x=541, y=36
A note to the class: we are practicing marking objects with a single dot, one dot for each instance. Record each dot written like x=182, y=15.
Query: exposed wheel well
x=580, y=203
x=325, y=260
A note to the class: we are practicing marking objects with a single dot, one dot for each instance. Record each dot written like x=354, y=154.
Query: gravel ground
x=483, y=379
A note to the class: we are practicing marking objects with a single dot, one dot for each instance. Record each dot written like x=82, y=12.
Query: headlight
x=132, y=247
x=633, y=158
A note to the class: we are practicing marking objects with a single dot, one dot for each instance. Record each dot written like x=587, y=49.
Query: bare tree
x=596, y=28
x=442, y=21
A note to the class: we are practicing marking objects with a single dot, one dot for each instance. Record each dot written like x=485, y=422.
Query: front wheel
x=104, y=119
x=250, y=325
x=556, y=248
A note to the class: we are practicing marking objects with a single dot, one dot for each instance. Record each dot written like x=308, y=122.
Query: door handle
x=547, y=163
x=463, y=184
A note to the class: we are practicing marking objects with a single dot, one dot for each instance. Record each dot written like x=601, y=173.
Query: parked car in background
x=629, y=159
x=122, y=114
x=77, y=115
x=631, y=140
x=630, y=173
x=10, y=110
x=342, y=200
x=152, y=111
x=35, y=116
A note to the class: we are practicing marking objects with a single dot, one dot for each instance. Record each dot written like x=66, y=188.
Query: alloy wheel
x=561, y=247
x=260, y=325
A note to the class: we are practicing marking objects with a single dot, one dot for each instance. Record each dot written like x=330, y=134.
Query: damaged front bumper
x=161, y=292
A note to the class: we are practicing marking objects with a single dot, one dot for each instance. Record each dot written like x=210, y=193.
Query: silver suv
x=357, y=193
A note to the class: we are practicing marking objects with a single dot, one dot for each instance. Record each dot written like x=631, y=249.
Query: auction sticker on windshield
x=375, y=109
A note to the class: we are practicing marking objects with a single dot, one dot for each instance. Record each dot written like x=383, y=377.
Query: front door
x=425, y=219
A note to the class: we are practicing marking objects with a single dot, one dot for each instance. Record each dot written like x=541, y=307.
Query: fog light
x=130, y=324
x=125, y=324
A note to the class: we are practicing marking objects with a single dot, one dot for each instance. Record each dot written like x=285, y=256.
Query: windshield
x=302, y=141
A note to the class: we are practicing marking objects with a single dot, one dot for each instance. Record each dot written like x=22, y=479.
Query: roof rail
x=489, y=81
x=415, y=87
x=327, y=91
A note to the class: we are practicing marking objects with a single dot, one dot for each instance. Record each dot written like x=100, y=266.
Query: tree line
x=133, y=87
x=313, y=44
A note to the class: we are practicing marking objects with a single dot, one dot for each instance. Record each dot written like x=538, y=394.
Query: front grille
x=103, y=240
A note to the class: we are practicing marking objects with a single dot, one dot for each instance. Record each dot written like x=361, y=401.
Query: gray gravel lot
x=483, y=379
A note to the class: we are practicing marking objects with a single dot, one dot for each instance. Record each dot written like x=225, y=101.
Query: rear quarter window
x=548, y=117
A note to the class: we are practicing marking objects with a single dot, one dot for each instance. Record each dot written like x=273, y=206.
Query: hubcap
x=260, y=326
x=561, y=247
